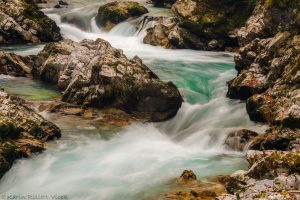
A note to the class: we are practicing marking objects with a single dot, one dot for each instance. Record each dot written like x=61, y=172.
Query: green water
x=28, y=88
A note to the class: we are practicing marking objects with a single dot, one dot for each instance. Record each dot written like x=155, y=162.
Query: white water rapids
x=135, y=163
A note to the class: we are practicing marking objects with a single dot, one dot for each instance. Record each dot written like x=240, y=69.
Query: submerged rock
x=94, y=74
x=188, y=187
x=239, y=140
x=22, y=131
x=112, y=13
x=21, y=21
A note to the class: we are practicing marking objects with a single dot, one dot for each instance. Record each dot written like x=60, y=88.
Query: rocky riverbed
x=110, y=87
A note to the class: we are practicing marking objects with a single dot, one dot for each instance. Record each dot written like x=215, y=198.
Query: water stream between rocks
x=137, y=161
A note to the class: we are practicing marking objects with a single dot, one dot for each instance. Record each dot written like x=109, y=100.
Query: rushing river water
x=136, y=162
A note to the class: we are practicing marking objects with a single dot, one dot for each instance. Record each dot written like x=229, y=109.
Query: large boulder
x=21, y=21
x=94, y=74
x=166, y=32
x=213, y=20
x=22, y=131
x=112, y=13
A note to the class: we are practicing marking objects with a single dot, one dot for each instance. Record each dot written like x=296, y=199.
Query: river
x=136, y=161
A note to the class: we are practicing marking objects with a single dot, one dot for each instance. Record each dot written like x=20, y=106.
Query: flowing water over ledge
x=137, y=160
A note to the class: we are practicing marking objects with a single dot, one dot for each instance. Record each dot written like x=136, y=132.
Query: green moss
x=8, y=129
x=238, y=80
x=47, y=26
x=8, y=151
x=116, y=12
x=137, y=10
x=281, y=3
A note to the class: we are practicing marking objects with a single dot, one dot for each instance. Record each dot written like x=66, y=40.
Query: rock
x=112, y=13
x=226, y=197
x=268, y=78
x=163, y=3
x=213, y=20
x=233, y=183
x=187, y=175
x=57, y=6
x=63, y=3
x=22, y=131
x=239, y=140
x=165, y=32
x=200, y=25
x=267, y=65
x=94, y=74
x=269, y=164
x=188, y=187
x=276, y=138
x=14, y=65
x=21, y=21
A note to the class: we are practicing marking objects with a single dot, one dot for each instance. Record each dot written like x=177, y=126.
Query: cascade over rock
x=94, y=74
x=21, y=21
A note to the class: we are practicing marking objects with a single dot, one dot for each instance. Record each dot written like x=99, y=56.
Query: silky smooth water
x=137, y=161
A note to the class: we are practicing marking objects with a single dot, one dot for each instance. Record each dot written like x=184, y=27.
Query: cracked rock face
x=268, y=78
x=94, y=74
x=14, y=65
x=22, y=131
x=21, y=21
x=268, y=67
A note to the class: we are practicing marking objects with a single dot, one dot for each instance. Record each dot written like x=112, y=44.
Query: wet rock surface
x=22, y=131
x=111, y=14
x=21, y=22
x=14, y=65
x=187, y=187
x=166, y=32
x=94, y=74
x=212, y=19
x=268, y=70
x=240, y=140
x=162, y=3
x=201, y=24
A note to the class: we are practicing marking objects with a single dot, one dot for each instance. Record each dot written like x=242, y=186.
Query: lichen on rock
x=22, y=131
x=94, y=74
x=21, y=21
x=112, y=13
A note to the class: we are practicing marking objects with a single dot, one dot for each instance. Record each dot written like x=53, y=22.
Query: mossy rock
x=281, y=3
x=213, y=19
x=8, y=129
x=113, y=13
x=48, y=30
